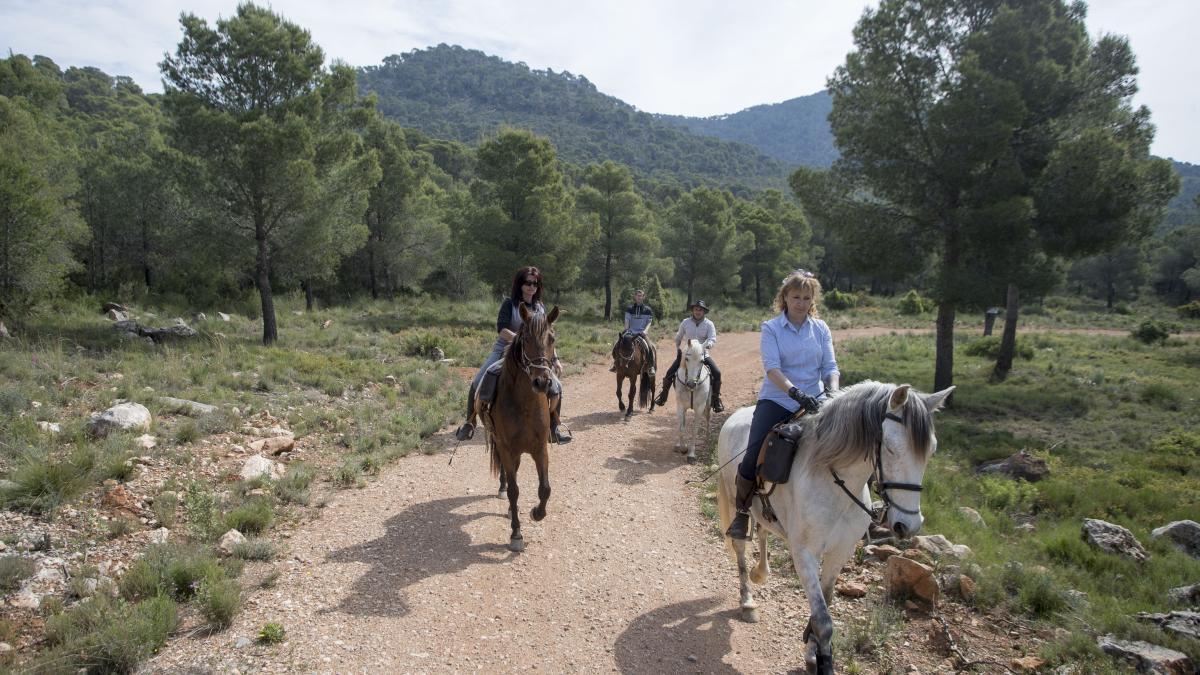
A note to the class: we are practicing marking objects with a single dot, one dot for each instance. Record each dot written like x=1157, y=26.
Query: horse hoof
x=502, y=494
x=750, y=614
x=516, y=545
x=537, y=512
x=691, y=459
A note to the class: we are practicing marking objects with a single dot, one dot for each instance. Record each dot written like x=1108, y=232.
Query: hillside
x=464, y=94
x=795, y=131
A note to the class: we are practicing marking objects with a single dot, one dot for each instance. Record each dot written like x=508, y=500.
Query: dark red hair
x=519, y=280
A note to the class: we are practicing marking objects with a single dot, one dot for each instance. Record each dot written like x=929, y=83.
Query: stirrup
x=740, y=527
x=556, y=436
x=466, y=432
x=718, y=406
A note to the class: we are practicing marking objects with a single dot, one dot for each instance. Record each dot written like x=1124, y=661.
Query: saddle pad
x=779, y=452
x=487, y=386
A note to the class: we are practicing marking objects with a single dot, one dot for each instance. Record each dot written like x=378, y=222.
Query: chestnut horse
x=518, y=419
x=630, y=361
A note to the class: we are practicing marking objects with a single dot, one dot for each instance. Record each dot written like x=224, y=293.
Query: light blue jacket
x=804, y=355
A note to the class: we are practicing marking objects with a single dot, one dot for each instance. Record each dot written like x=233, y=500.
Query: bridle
x=540, y=363
x=877, y=477
x=626, y=360
x=690, y=385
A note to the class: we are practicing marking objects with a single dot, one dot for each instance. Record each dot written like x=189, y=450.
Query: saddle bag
x=779, y=451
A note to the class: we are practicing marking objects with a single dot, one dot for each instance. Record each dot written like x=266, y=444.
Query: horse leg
x=819, y=634
x=502, y=492
x=763, y=568
x=749, y=607
x=516, y=542
x=632, y=393
x=620, y=393
x=691, y=449
x=681, y=446
x=542, y=461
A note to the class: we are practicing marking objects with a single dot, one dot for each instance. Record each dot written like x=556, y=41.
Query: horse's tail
x=724, y=509
x=645, y=387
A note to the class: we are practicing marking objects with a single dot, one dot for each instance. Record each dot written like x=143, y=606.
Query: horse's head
x=906, y=444
x=626, y=342
x=693, y=363
x=533, y=347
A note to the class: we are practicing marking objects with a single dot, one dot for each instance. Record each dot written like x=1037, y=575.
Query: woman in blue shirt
x=527, y=286
x=798, y=359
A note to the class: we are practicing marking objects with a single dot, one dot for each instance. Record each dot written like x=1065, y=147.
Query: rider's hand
x=808, y=403
x=558, y=368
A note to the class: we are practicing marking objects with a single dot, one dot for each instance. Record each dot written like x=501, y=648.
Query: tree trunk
x=371, y=268
x=308, y=295
x=607, y=285
x=757, y=291
x=146, y=253
x=1008, y=339
x=1110, y=293
x=263, y=280
x=943, y=373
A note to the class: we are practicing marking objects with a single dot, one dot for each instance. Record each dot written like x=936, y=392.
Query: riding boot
x=740, y=527
x=613, y=368
x=650, y=363
x=661, y=400
x=558, y=437
x=717, y=405
x=467, y=431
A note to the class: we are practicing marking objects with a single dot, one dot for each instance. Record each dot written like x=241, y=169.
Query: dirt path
x=411, y=574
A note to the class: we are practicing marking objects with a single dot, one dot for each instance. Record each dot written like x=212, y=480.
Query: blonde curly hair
x=799, y=280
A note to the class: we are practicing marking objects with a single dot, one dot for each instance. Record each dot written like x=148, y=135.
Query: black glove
x=807, y=403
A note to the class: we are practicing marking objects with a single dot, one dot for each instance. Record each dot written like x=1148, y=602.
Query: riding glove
x=809, y=404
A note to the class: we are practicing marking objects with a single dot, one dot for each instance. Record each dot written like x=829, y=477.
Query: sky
x=684, y=57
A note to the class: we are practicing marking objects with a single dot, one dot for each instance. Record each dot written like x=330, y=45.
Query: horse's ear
x=553, y=315
x=899, y=396
x=937, y=401
x=524, y=312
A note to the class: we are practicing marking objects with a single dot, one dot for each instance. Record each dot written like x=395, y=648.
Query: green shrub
x=44, y=483
x=119, y=527
x=12, y=401
x=988, y=347
x=1190, y=310
x=349, y=474
x=254, y=549
x=272, y=633
x=173, y=569
x=187, y=432
x=219, y=600
x=164, y=508
x=252, y=517
x=1152, y=332
x=13, y=570
x=103, y=635
x=836, y=299
x=421, y=344
x=1177, y=442
x=1039, y=596
x=913, y=303
x=293, y=487
x=1160, y=395
x=203, y=512
x=1007, y=495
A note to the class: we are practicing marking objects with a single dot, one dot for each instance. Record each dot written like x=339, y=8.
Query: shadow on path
x=423, y=541
x=686, y=637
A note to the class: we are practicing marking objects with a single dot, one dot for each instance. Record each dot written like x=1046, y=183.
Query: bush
x=219, y=600
x=1160, y=395
x=164, y=508
x=293, y=487
x=988, y=347
x=1190, y=310
x=170, y=569
x=1152, y=332
x=421, y=344
x=913, y=303
x=203, y=513
x=43, y=484
x=104, y=635
x=836, y=299
x=13, y=570
x=254, y=549
x=272, y=633
x=187, y=432
x=253, y=517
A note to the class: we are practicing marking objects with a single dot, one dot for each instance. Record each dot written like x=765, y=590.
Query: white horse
x=693, y=389
x=867, y=429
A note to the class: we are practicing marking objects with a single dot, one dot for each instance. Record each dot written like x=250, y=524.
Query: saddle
x=775, y=459
x=487, y=386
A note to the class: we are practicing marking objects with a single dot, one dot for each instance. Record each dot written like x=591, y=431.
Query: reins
x=883, y=484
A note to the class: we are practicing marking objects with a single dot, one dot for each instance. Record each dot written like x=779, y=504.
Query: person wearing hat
x=696, y=327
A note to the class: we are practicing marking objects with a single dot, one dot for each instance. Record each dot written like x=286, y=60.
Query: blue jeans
x=766, y=415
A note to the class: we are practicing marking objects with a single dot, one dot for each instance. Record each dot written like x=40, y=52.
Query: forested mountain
x=466, y=95
x=795, y=131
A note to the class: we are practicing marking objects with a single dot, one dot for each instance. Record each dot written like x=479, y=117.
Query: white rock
x=223, y=316
x=940, y=546
x=261, y=466
x=4, y=646
x=972, y=516
x=50, y=427
x=186, y=406
x=51, y=573
x=229, y=541
x=26, y=599
x=160, y=536
x=126, y=416
x=146, y=441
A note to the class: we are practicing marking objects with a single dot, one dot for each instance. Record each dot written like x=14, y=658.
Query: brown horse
x=630, y=361
x=518, y=419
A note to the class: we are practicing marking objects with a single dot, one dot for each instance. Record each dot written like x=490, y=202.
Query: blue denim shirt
x=804, y=355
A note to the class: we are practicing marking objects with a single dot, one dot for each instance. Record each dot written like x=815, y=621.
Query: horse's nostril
x=899, y=529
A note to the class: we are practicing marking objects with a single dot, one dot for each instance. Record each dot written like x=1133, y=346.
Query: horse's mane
x=537, y=326
x=849, y=427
